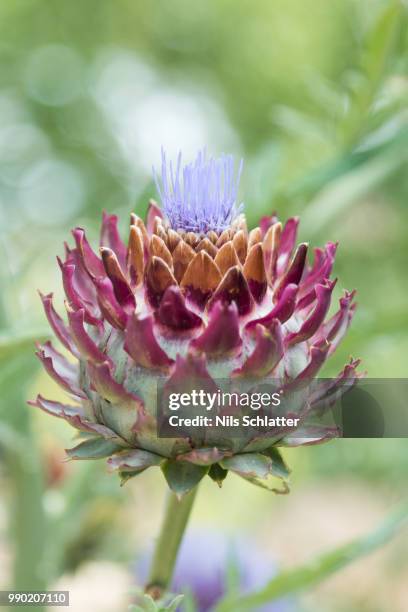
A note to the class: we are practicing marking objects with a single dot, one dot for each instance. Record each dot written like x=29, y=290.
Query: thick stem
x=175, y=520
x=28, y=523
x=28, y=527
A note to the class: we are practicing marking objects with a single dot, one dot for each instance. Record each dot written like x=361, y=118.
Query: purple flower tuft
x=202, y=195
x=206, y=561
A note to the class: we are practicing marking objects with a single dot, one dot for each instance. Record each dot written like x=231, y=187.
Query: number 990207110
x=34, y=598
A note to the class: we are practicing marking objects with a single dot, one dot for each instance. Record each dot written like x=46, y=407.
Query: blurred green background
x=313, y=94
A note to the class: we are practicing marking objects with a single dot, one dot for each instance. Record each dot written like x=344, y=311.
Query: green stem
x=27, y=520
x=175, y=520
x=28, y=526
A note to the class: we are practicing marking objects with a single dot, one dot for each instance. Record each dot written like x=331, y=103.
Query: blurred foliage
x=315, y=98
x=312, y=94
x=147, y=604
x=301, y=578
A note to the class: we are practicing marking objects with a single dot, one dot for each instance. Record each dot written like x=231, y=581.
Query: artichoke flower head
x=193, y=294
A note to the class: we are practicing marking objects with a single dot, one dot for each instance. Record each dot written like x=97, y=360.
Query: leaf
x=182, y=476
x=134, y=460
x=380, y=40
x=341, y=193
x=269, y=484
x=148, y=604
x=233, y=575
x=14, y=343
x=253, y=465
x=125, y=476
x=94, y=448
x=279, y=467
x=132, y=463
x=218, y=474
x=293, y=580
x=204, y=456
x=174, y=604
x=17, y=363
x=189, y=602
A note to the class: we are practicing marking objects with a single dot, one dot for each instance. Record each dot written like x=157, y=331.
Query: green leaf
x=260, y=469
x=218, y=474
x=269, y=484
x=125, y=476
x=182, y=476
x=189, y=602
x=253, y=465
x=132, y=463
x=134, y=460
x=94, y=448
x=148, y=604
x=380, y=41
x=340, y=194
x=203, y=456
x=233, y=575
x=279, y=467
x=174, y=604
x=293, y=580
x=16, y=342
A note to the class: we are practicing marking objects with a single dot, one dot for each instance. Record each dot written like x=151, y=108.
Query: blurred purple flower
x=205, y=560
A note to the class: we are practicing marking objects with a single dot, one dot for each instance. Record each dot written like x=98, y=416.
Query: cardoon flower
x=192, y=294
